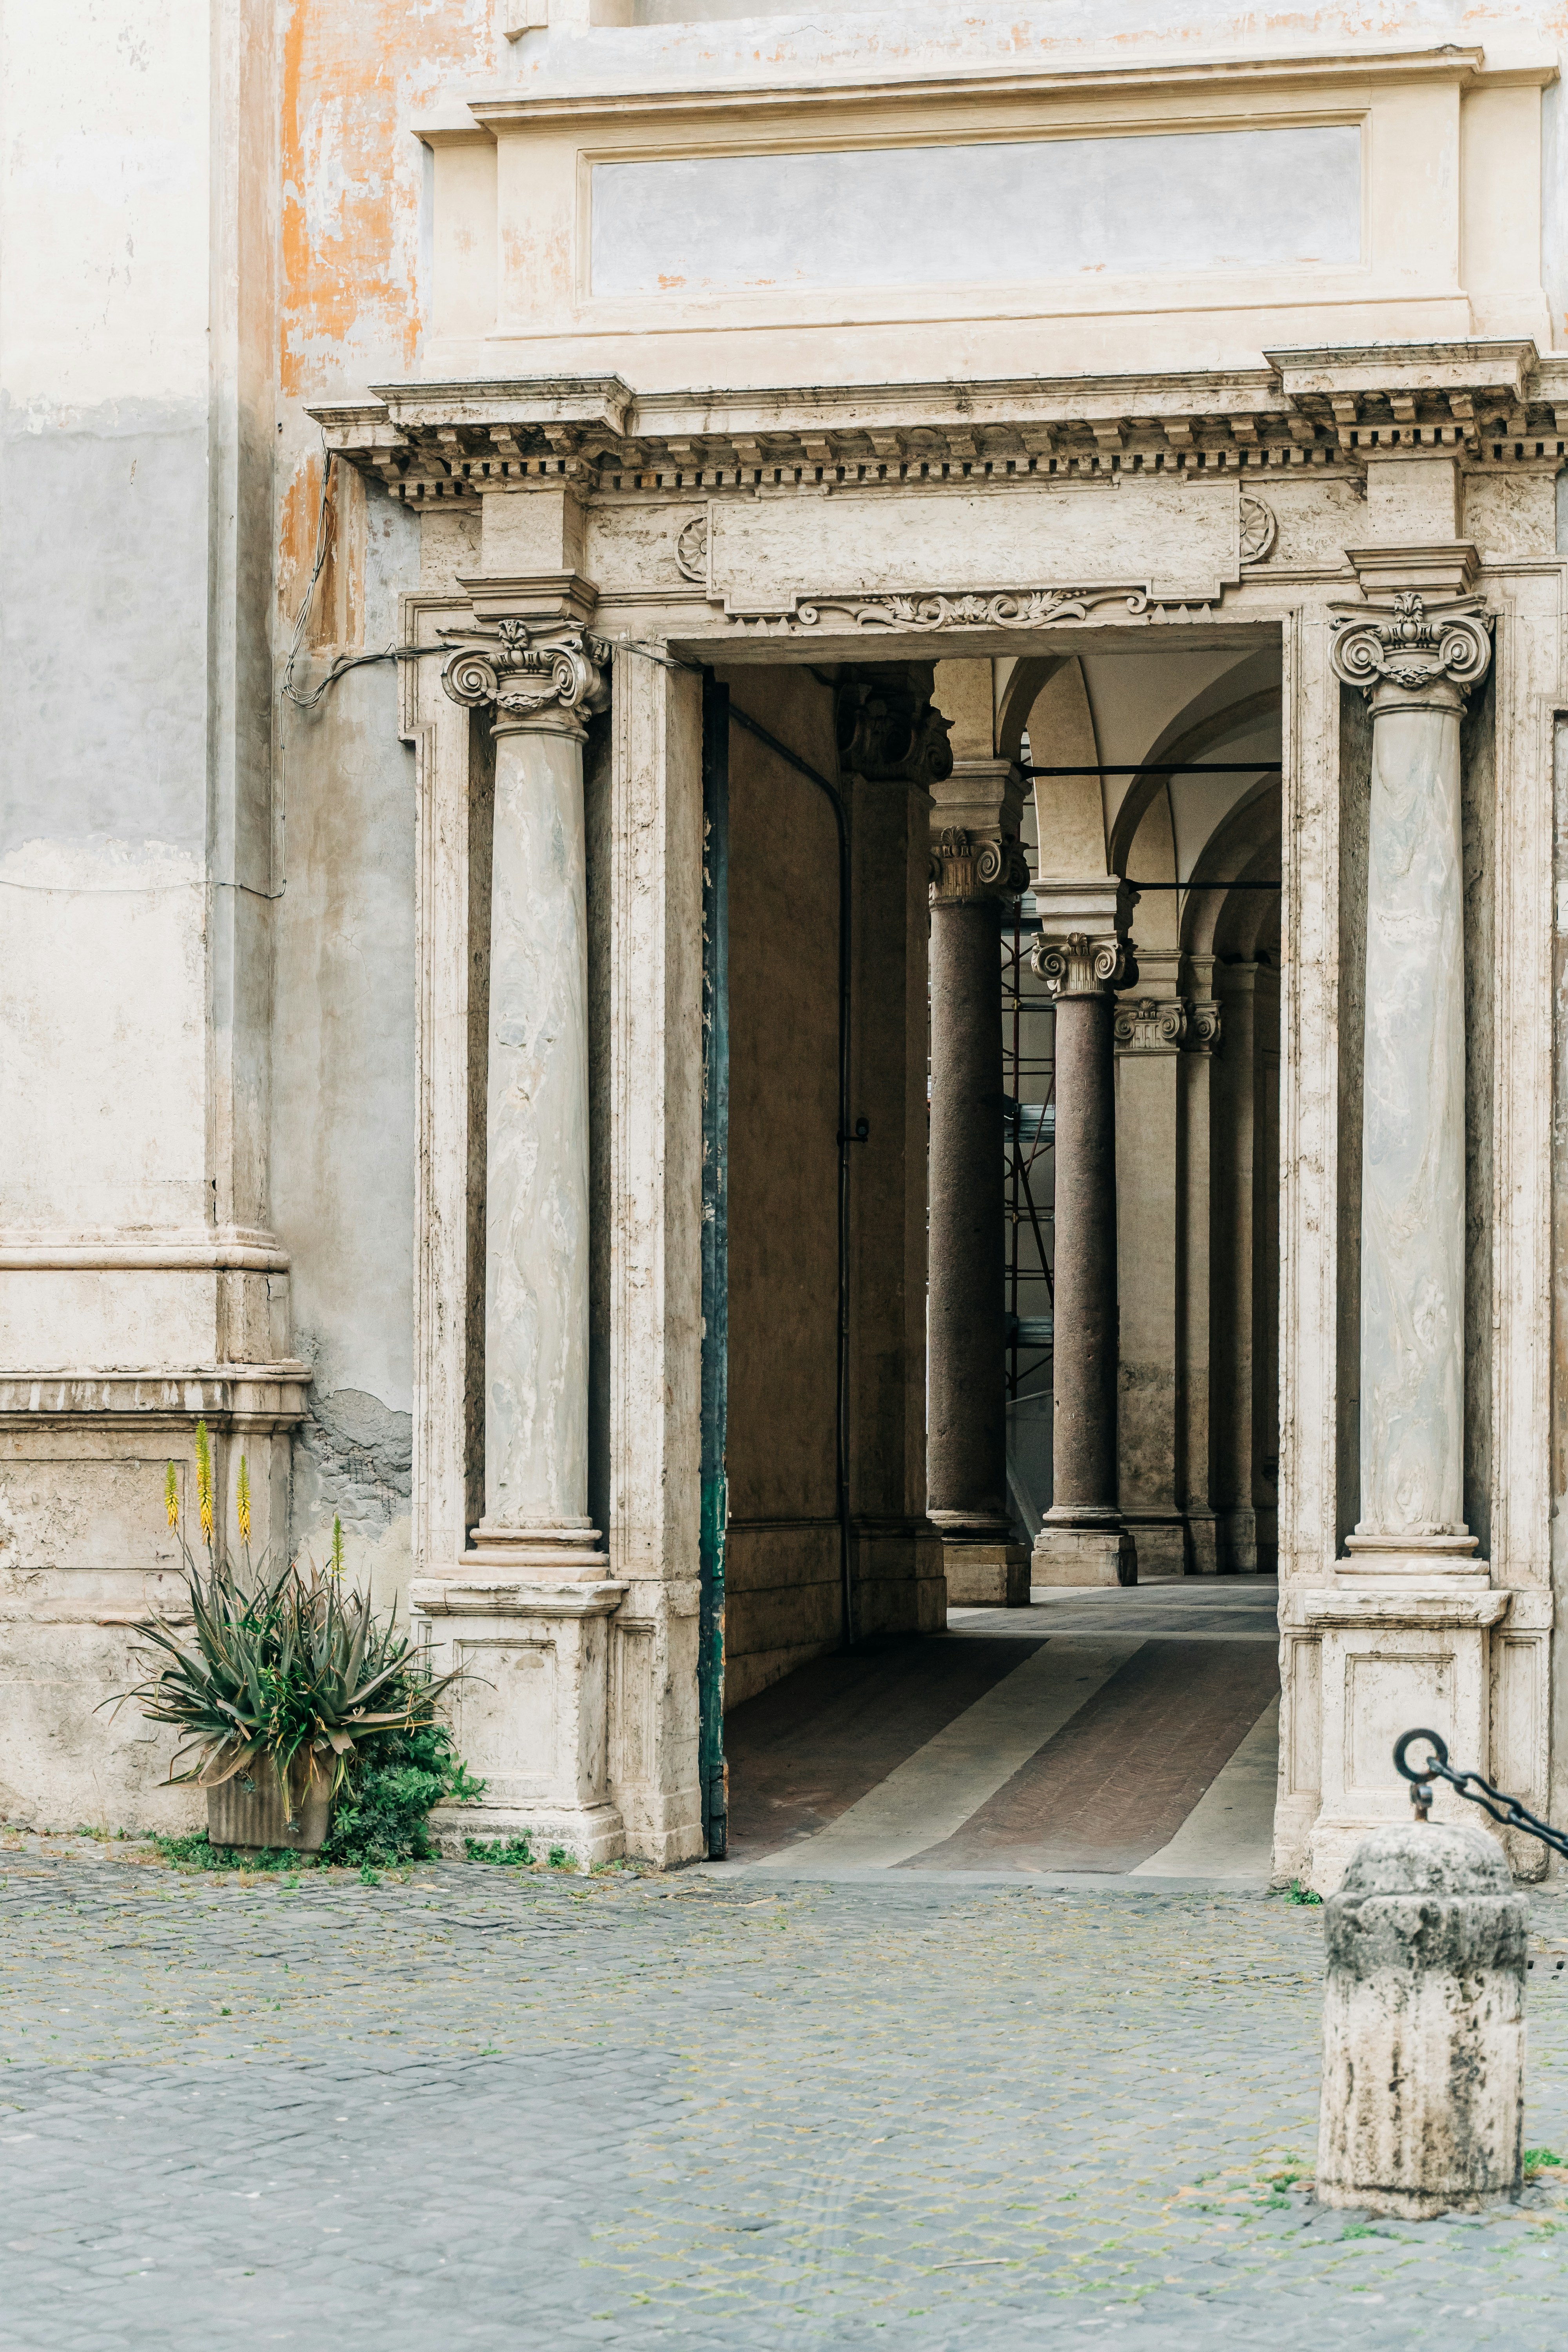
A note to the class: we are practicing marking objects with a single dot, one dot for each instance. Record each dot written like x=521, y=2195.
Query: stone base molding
x=531, y=1718
x=569, y=1549
x=86, y=1554
x=1398, y=1655
x=1160, y=1544
x=1066, y=1554
x=986, y=1575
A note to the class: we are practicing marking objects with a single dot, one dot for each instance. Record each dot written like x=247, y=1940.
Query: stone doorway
x=831, y=1605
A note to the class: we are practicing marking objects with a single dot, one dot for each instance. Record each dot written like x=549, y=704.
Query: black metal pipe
x=846, y=972
x=1170, y=768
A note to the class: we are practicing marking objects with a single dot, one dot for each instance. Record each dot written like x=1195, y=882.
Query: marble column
x=525, y=1608
x=1417, y=669
x=974, y=865
x=1083, y=955
x=1405, y=1629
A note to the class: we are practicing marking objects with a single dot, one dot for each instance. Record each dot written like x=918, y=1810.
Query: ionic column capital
x=528, y=654
x=967, y=867
x=1085, y=947
x=1165, y=1024
x=889, y=730
x=1413, y=656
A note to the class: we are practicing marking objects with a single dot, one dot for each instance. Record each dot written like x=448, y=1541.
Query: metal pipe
x=1170, y=768
x=841, y=1413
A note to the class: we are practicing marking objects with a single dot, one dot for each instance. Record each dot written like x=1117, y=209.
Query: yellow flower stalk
x=204, y=1480
x=242, y=1500
x=172, y=1496
x=337, y=1546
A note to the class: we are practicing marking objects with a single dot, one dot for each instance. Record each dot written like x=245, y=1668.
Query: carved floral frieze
x=1003, y=608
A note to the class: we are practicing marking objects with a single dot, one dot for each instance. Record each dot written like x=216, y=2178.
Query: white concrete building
x=548, y=551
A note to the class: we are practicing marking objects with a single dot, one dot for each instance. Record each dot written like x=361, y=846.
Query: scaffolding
x=1029, y=1068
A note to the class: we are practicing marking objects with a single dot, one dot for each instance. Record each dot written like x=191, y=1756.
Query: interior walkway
x=1096, y=1733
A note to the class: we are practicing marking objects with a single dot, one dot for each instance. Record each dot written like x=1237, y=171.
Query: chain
x=1471, y=1787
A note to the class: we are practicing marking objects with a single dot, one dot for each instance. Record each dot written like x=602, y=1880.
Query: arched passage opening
x=1158, y=769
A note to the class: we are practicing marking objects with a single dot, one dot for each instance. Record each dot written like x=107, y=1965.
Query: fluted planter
x=248, y=1812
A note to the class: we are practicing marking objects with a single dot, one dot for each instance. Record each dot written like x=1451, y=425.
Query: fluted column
x=1416, y=667
x=1083, y=955
x=966, y=1473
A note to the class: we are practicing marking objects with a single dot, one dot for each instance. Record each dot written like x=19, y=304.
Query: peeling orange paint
x=356, y=74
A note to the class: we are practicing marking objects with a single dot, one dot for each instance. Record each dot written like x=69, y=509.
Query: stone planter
x=254, y=1816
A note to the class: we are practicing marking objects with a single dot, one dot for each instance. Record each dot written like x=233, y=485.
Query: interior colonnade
x=1152, y=910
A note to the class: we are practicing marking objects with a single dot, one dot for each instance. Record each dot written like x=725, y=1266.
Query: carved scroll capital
x=1165, y=1024
x=1084, y=948
x=890, y=731
x=967, y=868
x=547, y=677
x=1203, y=1026
x=1084, y=964
x=1414, y=651
x=1149, y=1025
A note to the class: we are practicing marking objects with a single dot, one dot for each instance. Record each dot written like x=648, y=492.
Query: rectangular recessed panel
x=977, y=214
x=506, y=1710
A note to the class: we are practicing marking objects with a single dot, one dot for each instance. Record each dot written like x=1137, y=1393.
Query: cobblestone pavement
x=475, y=2109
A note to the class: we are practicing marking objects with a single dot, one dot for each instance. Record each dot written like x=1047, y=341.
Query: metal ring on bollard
x=1421, y=1782
x=1471, y=1786
x=1438, y=1744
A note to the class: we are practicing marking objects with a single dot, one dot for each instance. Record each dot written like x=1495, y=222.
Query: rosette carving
x=557, y=675
x=1083, y=964
x=1408, y=647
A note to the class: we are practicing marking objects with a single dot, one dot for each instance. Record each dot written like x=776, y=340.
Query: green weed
x=515, y=1852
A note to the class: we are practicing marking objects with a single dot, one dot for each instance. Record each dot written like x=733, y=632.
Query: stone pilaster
x=523, y=1609
x=1084, y=955
x=975, y=864
x=1405, y=1626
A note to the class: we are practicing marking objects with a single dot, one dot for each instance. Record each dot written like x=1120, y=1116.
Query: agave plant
x=287, y=1671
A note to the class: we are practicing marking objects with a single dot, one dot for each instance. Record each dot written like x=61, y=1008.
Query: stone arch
x=1248, y=693
x=1069, y=811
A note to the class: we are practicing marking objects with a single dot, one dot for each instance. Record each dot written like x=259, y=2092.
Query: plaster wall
x=343, y=1131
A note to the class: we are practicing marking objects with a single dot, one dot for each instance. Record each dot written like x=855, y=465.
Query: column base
x=530, y=1715
x=590, y=1834
x=1401, y=1650
x=549, y=1550
x=987, y=1575
x=1065, y=1554
x=1160, y=1544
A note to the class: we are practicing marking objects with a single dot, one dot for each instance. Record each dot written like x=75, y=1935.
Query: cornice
x=253, y=1397
x=510, y=110
x=1488, y=403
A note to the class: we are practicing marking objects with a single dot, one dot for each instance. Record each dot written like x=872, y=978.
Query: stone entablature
x=774, y=528
x=1492, y=404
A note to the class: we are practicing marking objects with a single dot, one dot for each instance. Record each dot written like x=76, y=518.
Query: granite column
x=1083, y=955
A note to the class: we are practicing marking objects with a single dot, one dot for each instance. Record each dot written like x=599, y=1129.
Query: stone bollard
x=1423, y=2103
